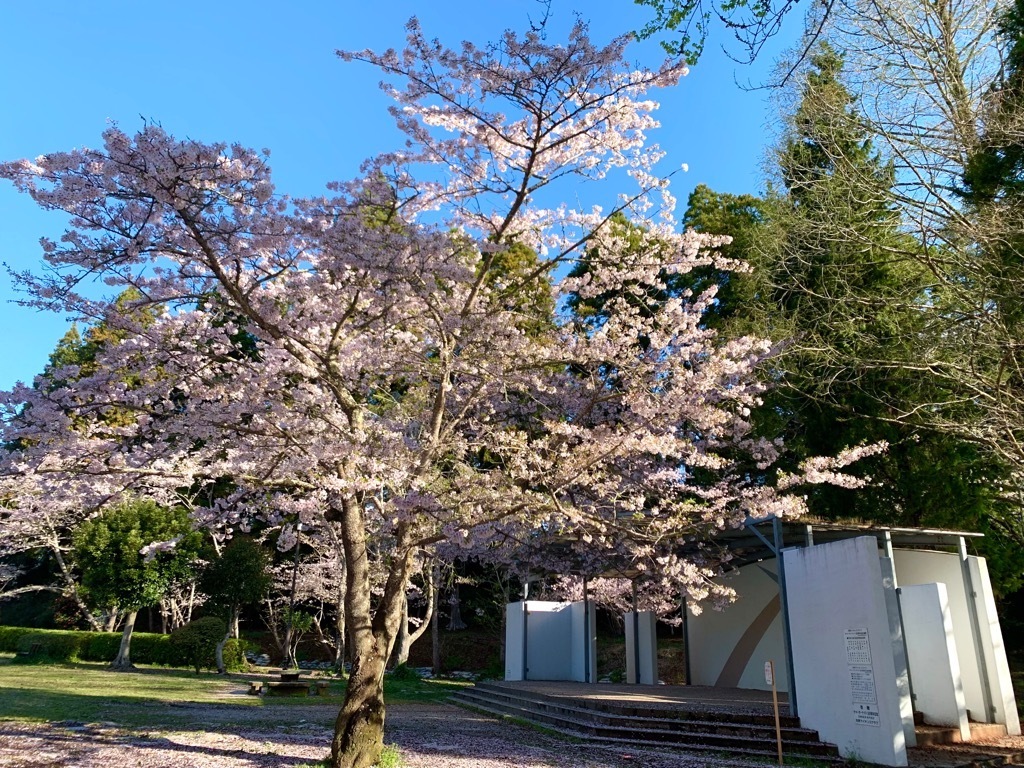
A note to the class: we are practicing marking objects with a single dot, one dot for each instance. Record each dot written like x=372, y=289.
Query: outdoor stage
x=648, y=697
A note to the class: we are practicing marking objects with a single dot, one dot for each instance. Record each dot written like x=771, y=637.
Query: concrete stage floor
x=690, y=697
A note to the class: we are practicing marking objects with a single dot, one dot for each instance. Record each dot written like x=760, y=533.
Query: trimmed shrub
x=234, y=655
x=75, y=645
x=11, y=636
x=197, y=641
x=103, y=646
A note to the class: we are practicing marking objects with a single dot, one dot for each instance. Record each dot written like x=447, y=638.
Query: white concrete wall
x=915, y=566
x=548, y=638
x=992, y=646
x=988, y=660
x=515, y=661
x=938, y=687
x=728, y=648
x=584, y=634
x=843, y=651
x=647, y=637
x=553, y=636
x=899, y=650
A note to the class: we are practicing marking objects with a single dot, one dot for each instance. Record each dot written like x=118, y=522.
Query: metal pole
x=586, y=634
x=636, y=637
x=526, y=615
x=686, y=643
x=972, y=611
x=787, y=638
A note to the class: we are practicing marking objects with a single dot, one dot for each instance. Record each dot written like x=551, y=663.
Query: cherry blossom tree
x=352, y=359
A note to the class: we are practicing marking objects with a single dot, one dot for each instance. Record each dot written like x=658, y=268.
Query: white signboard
x=867, y=714
x=863, y=693
x=769, y=673
x=858, y=648
x=862, y=685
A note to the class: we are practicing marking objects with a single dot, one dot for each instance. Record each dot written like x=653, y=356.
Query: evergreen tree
x=116, y=575
x=834, y=279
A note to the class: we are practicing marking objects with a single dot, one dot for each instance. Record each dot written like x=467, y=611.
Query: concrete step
x=656, y=731
x=675, y=712
x=652, y=719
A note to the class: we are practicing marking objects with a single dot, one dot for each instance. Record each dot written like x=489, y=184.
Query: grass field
x=92, y=693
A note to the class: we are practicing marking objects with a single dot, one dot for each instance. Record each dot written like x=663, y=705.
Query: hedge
x=73, y=645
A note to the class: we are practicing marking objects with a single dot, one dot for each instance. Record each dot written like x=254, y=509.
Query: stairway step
x=633, y=710
x=609, y=719
x=642, y=735
x=641, y=738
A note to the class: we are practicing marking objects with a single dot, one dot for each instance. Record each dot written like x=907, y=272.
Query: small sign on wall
x=864, y=694
x=858, y=647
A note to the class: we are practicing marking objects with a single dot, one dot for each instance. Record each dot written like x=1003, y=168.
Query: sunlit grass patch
x=157, y=697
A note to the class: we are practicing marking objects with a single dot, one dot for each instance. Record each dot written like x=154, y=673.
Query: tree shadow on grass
x=142, y=711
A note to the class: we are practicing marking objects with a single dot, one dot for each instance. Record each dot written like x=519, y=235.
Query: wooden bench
x=255, y=688
x=33, y=650
x=321, y=687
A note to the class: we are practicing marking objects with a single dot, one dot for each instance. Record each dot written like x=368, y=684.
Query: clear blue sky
x=264, y=73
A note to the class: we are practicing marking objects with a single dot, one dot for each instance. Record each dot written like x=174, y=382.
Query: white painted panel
x=515, y=661
x=934, y=666
x=548, y=641
x=647, y=637
x=899, y=650
x=835, y=596
x=1003, y=700
x=729, y=647
x=922, y=567
x=584, y=634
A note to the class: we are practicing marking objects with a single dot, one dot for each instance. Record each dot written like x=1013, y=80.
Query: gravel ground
x=428, y=736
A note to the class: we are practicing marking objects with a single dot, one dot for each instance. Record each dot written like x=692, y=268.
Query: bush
x=197, y=641
x=103, y=646
x=150, y=648
x=10, y=637
x=404, y=672
x=234, y=655
x=75, y=645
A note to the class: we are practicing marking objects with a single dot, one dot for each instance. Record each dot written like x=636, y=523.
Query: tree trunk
x=222, y=668
x=271, y=620
x=401, y=654
x=72, y=585
x=191, y=603
x=406, y=639
x=123, y=662
x=340, y=632
x=455, y=621
x=359, y=729
x=435, y=623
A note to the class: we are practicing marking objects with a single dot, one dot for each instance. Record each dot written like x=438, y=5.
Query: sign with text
x=863, y=692
x=858, y=648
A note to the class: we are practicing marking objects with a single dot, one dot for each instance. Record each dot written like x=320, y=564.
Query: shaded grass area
x=158, y=697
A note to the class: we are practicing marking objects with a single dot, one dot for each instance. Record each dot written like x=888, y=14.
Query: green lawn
x=159, y=697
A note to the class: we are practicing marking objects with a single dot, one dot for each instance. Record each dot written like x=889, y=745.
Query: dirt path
x=428, y=736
